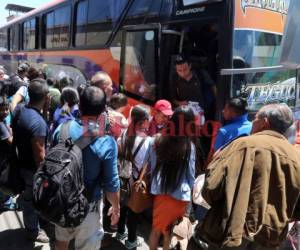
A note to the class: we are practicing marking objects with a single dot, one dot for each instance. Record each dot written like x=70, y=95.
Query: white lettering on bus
x=280, y=6
x=189, y=11
x=266, y=93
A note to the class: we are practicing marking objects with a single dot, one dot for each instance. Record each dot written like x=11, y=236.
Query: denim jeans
x=30, y=216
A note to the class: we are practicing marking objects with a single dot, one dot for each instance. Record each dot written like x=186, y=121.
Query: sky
x=28, y=3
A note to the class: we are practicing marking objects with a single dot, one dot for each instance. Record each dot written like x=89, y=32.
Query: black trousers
x=129, y=218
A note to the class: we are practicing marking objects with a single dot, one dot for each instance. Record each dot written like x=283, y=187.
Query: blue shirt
x=27, y=123
x=184, y=189
x=235, y=128
x=60, y=117
x=99, y=161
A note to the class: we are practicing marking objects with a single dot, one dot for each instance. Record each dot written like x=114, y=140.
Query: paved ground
x=12, y=235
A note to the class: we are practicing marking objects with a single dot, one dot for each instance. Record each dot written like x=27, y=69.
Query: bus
x=237, y=41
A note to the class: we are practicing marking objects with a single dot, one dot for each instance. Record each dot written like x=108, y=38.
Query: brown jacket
x=252, y=186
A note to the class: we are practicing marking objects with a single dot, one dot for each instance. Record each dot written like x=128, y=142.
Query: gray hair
x=280, y=117
x=100, y=78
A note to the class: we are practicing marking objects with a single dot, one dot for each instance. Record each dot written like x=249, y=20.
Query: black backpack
x=59, y=194
x=11, y=182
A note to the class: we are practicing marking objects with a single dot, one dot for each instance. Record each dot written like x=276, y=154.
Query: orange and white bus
x=237, y=41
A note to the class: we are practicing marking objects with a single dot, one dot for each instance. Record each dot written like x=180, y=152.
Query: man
x=100, y=171
x=162, y=112
x=253, y=186
x=30, y=136
x=192, y=86
x=103, y=81
x=236, y=120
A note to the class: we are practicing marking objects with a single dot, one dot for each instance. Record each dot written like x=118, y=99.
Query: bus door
x=170, y=45
x=140, y=62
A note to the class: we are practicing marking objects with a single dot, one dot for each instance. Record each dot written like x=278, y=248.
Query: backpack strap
x=82, y=142
x=138, y=148
x=135, y=154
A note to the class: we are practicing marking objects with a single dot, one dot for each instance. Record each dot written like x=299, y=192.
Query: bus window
x=139, y=64
x=144, y=7
x=265, y=88
x=61, y=27
x=95, y=20
x=258, y=49
x=49, y=29
x=3, y=40
x=57, y=28
x=29, y=34
x=14, y=38
x=59, y=72
x=81, y=19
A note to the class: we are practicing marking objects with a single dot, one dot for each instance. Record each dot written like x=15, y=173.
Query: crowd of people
x=252, y=183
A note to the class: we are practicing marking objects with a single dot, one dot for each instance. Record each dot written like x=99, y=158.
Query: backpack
x=125, y=171
x=11, y=182
x=59, y=194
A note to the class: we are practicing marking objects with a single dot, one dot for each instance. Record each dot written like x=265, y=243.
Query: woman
x=69, y=107
x=172, y=161
x=133, y=145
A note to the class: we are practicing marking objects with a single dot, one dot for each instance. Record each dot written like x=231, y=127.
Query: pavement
x=13, y=237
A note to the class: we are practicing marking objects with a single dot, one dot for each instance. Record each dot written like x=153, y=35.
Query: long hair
x=137, y=116
x=173, y=150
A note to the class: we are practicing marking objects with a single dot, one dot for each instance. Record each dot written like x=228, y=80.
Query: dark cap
x=181, y=59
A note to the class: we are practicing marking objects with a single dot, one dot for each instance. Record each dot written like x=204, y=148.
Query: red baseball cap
x=164, y=106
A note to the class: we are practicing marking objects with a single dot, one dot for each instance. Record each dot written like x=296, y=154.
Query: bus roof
x=35, y=11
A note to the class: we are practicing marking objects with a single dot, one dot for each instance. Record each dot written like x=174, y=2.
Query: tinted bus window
x=29, y=34
x=139, y=77
x=95, y=20
x=145, y=7
x=14, y=37
x=81, y=19
x=49, y=29
x=3, y=40
x=57, y=28
x=61, y=27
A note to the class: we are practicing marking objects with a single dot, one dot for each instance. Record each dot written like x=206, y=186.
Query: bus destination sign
x=280, y=6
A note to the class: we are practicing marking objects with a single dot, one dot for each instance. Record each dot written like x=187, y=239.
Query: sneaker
x=200, y=243
x=39, y=236
x=135, y=244
x=121, y=237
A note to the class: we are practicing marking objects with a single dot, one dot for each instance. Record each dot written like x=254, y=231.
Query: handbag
x=140, y=198
x=197, y=197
